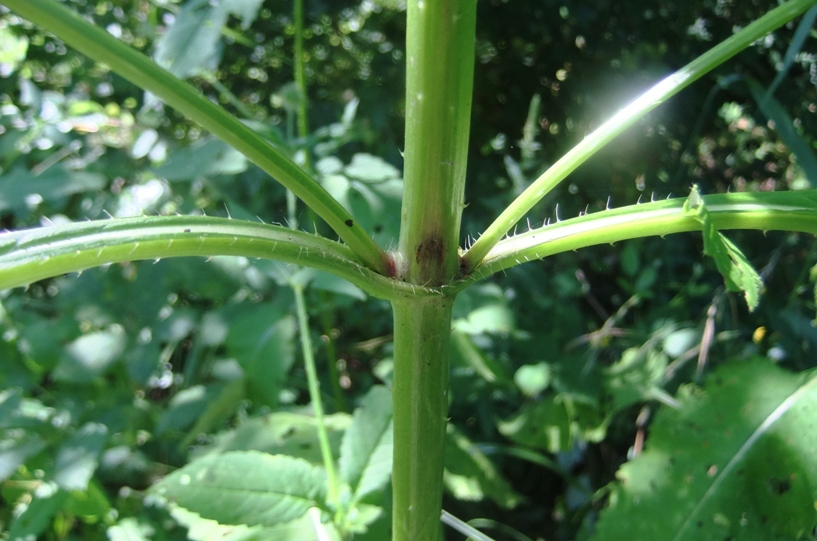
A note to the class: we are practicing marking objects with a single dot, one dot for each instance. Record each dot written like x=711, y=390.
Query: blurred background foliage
x=116, y=377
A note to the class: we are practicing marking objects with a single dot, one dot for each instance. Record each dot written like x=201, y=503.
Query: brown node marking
x=431, y=250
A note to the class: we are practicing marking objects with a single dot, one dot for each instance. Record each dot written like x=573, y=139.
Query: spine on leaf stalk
x=439, y=83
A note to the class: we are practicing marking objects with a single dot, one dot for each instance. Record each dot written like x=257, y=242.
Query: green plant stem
x=315, y=397
x=30, y=255
x=770, y=211
x=300, y=78
x=303, y=132
x=100, y=46
x=439, y=82
x=626, y=118
x=420, y=393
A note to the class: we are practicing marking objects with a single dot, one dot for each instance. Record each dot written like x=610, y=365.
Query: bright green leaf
x=737, y=272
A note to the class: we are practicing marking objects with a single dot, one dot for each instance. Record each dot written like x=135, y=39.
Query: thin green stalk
x=30, y=255
x=100, y=46
x=303, y=132
x=315, y=397
x=626, y=118
x=768, y=211
x=300, y=78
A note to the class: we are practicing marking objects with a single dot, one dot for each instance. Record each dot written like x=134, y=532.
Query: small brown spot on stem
x=350, y=223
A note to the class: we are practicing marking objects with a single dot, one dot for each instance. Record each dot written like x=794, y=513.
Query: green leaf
x=261, y=338
x=31, y=519
x=783, y=125
x=371, y=189
x=246, y=487
x=78, y=457
x=191, y=42
x=300, y=529
x=366, y=451
x=470, y=475
x=206, y=158
x=15, y=450
x=636, y=377
x=187, y=406
x=737, y=272
x=90, y=505
x=90, y=355
x=13, y=50
x=734, y=462
x=543, y=425
x=285, y=433
x=20, y=187
x=130, y=529
x=532, y=379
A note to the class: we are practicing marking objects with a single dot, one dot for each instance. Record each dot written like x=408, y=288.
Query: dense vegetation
x=114, y=378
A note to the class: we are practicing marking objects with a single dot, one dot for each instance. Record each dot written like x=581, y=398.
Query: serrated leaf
x=246, y=487
x=738, y=274
x=734, y=462
x=366, y=450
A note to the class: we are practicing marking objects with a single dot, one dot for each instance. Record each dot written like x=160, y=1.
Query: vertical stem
x=420, y=394
x=300, y=78
x=439, y=81
x=303, y=131
x=315, y=396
